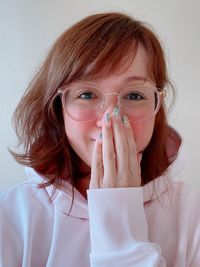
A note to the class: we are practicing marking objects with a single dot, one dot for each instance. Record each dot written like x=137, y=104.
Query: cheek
x=143, y=133
x=80, y=140
x=75, y=131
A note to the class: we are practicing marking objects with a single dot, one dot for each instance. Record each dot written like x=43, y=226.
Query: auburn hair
x=92, y=48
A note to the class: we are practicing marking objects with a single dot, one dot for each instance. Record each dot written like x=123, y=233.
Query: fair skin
x=115, y=158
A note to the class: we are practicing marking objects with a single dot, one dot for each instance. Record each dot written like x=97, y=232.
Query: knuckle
x=98, y=154
x=98, y=165
x=109, y=155
x=123, y=147
x=132, y=153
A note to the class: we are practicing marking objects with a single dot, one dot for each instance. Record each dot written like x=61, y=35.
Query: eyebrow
x=135, y=78
x=126, y=80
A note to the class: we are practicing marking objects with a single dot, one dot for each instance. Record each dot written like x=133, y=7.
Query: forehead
x=133, y=63
x=129, y=71
x=136, y=66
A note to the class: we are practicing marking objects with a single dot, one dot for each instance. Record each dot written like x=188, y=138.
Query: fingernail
x=107, y=119
x=124, y=119
x=100, y=138
x=116, y=111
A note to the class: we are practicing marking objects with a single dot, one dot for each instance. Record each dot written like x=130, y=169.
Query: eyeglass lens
x=88, y=102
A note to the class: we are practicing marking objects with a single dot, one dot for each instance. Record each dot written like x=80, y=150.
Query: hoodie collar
x=177, y=157
x=63, y=197
x=154, y=189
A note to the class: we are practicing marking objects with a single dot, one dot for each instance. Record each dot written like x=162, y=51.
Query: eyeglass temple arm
x=162, y=93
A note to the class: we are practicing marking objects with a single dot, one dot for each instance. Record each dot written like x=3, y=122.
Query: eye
x=86, y=95
x=137, y=96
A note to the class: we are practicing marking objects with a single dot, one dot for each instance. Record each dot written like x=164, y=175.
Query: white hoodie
x=154, y=225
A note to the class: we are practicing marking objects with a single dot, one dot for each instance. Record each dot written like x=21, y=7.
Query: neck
x=82, y=180
x=82, y=185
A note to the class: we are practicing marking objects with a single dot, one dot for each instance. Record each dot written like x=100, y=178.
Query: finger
x=97, y=165
x=108, y=153
x=121, y=145
x=134, y=157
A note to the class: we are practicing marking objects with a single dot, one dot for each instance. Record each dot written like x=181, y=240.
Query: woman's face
x=82, y=135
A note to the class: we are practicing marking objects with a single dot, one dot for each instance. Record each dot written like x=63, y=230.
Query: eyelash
x=127, y=96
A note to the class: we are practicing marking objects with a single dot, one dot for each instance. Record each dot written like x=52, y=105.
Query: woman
x=100, y=157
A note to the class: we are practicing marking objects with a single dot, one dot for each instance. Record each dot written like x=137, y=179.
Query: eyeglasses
x=85, y=102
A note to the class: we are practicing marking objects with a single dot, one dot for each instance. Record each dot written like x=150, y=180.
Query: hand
x=115, y=161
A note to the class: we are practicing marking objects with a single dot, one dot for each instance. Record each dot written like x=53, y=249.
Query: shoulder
x=186, y=191
x=177, y=199
x=23, y=198
x=26, y=217
x=186, y=199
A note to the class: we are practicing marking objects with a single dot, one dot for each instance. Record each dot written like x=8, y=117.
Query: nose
x=102, y=116
x=109, y=108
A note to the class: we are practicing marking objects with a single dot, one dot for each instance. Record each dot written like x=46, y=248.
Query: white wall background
x=29, y=27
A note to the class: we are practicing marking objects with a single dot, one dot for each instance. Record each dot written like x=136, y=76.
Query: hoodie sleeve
x=118, y=229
